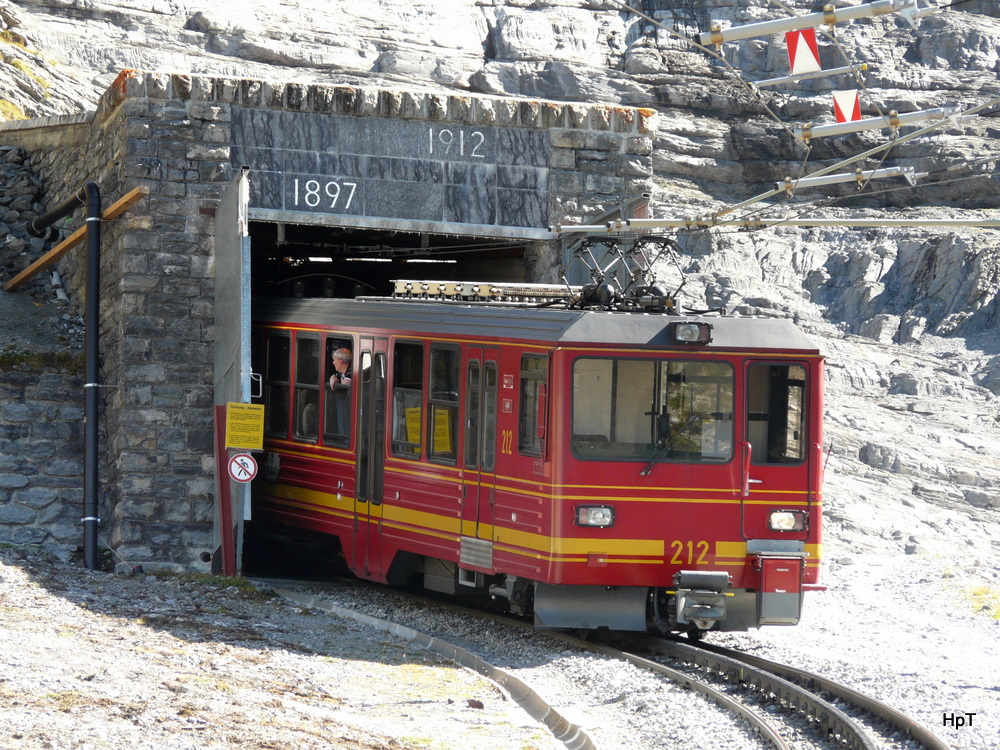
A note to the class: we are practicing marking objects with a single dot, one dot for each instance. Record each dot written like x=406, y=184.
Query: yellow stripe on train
x=440, y=526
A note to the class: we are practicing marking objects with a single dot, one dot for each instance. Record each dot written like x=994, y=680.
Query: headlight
x=787, y=520
x=691, y=333
x=595, y=515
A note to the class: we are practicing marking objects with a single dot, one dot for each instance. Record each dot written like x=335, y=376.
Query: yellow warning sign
x=245, y=426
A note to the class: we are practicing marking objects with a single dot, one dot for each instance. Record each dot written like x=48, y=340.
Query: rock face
x=908, y=316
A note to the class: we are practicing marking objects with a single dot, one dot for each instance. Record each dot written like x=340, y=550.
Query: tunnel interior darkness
x=322, y=261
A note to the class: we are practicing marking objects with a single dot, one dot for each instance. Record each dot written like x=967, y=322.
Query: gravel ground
x=921, y=633
x=97, y=660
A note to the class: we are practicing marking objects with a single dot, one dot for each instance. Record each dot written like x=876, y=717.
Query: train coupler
x=701, y=598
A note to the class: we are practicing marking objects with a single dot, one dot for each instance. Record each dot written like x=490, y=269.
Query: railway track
x=781, y=706
x=805, y=692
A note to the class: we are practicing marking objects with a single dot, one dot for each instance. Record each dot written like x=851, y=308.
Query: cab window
x=776, y=413
x=652, y=410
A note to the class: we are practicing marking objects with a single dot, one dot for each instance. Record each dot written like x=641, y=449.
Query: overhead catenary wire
x=927, y=183
x=748, y=223
x=715, y=218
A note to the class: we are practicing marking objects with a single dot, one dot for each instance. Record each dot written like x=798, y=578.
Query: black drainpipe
x=90, y=196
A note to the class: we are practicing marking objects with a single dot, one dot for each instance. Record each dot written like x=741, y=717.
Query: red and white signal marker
x=846, y=106
x=803, y=52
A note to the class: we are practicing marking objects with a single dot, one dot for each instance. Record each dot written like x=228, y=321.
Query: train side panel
x=676, y=477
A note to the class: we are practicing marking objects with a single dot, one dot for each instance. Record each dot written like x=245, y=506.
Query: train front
x=687, y=475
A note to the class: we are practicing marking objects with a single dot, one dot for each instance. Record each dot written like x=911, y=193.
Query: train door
x=777, y=455
x=481, y=380
x=369, y=379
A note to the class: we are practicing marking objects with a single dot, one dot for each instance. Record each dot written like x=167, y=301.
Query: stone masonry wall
x=173, y=135
x=41, y=465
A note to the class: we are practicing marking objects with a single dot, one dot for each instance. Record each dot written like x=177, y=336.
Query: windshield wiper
x=673, y=432
x=656, y=457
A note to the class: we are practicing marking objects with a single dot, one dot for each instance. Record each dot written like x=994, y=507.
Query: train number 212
x=689, y=553
x=507, y=442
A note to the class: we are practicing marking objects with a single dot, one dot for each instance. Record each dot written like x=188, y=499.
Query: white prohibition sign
x=242, y=467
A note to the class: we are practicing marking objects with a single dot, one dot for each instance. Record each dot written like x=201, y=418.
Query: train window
x=531, y=424
x=307, y=388
x=371, y=426
x=473, y=392
x=277, y=384
x=481, y=415
x=407, y=398
x=776, y=412
x=337, y=387
x=652, y=410
x=442, y=405
x=489, y=416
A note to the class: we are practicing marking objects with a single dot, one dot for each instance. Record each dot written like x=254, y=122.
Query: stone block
x=71, y=413
x=197, y=536
x=507, y=112
x=180, y=87
x=567, y=139
x=203, y=511
x=529, y=113
x=413, y=105
x=600, y=118
x=642, y=146
x=143, y=325
x=16, y=514
x=131, y=484
x=66, y=533
x=567, y=183
x=319, y=99
x=206, y=151
x=62, y=511
x=601, y=183
x=163, y=534
x=157, y=85
x=28, y=535
x=295, y=96
x=227, y=90
x=248, y=93
x=36, y=497
x=272, y=95
x=63, y=467
x=562, y=158
x=366, y=102
x=177, y=511
x=623, y=120
x=59, y=431
x=484, y=111
x=19, y=412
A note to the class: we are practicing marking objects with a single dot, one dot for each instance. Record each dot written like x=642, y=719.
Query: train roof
x=517, y=323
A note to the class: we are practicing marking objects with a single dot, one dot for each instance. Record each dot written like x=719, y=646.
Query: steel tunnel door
x=232, y=336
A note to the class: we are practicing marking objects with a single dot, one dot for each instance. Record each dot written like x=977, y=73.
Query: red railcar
x=629, y=470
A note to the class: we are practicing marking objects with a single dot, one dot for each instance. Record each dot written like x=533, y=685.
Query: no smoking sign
x=242, y=467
